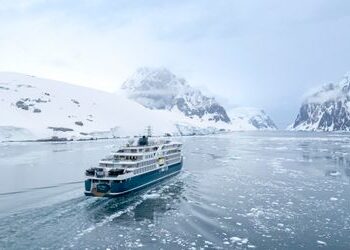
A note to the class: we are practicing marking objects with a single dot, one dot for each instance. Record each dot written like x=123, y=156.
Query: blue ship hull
x=114, y=189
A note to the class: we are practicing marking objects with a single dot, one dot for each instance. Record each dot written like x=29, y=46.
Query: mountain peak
x=328, y=109
x=331, y=91
x=248, y=118
x=159, y=88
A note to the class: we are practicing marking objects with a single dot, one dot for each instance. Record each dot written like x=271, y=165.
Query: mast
x=149, y=131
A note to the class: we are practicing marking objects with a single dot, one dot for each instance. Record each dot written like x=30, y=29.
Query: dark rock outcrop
x=22, y=105
x=326, y=110
x=79, y=123
x=61, y=129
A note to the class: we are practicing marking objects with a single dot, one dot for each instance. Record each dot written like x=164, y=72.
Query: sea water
x=247, y=190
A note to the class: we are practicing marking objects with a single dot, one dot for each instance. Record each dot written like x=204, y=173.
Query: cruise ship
x=134, y=166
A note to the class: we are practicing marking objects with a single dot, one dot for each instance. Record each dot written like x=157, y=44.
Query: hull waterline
x=114, y=189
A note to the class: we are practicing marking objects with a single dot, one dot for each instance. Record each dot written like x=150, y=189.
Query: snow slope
x=246, y=118
x=328, y=109
x=33, y=108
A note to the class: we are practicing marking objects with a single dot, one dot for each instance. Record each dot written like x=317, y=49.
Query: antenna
x=149, y=131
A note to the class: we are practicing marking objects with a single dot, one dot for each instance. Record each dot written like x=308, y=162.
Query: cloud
x=18, y=5
x=251, y=53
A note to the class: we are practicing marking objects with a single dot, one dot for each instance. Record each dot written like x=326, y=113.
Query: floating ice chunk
x=244, y=241
x=334, y=173
x=255, y=212
x=239, y=241
x=320, y=242
x=333, y=199
x=235, y=239
x=151, y=196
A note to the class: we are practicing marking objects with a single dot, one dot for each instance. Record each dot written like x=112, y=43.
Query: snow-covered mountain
x=33, y=108
x=158, y=88
x=328, y=109
x=245, y=118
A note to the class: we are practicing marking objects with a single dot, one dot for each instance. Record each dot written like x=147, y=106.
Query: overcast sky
x=265, y=54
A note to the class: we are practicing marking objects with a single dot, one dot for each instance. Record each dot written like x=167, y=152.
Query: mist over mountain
x=328, y=109
x=158, y=88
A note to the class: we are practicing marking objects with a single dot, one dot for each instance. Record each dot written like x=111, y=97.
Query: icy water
x=273, y=190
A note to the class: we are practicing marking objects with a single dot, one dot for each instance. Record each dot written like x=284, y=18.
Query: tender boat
x=133, y=167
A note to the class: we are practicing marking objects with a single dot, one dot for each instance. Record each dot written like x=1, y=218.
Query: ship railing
x=94, y=172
